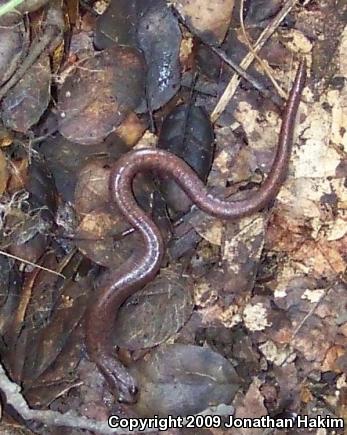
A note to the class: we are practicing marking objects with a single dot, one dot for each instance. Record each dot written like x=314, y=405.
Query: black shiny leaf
x=188, y=133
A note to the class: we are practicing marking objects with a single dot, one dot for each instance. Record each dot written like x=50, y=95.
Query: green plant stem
x=10, y=6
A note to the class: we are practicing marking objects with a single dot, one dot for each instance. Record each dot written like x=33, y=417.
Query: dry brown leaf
x=3, y=173
x=131, y=129
x=251, y=406
x=209, y=20
x=329, y=363
x=19, y=171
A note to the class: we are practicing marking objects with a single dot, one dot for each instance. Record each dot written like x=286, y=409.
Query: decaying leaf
x=175, y=375
x=99, y=238
x=10, y=282
x=114, y=79
x=11, y=50
x=49, y=341
x=261, y=10
x=167, y=301
x=91, y=191
x=131, y=129
x=251, y=405
x=25, y=103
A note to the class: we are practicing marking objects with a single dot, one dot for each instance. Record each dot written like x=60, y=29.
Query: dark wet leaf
x=167, y=302
x=25, y=103
x=176, y=375
x=40, y=185
x=5, y=269
x=45, y=346
x=208, y=62
x=115, y=82
x=49, y=309
x=117, y=25
x=183, y=242
x=188, y=133
x=34, y=307
x=43, y=294
x=10, y=283
x=57, y=378
x=261, y=10
x=11, y=50
x=159, y=37
x=65, y=159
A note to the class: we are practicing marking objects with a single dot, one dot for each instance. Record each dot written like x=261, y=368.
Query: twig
x=239, y=70
x=245, y=75
x=248, y=59
x=309, y=314
x=6, y=254
x=70, y=419
x=264, y=65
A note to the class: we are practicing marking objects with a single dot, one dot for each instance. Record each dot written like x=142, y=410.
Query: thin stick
x=6, y=254
x=263, y=64
x=245, y=75
x=237, y=68
x=248, y=59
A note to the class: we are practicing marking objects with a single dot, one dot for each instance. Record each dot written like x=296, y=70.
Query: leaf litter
x=242, y=313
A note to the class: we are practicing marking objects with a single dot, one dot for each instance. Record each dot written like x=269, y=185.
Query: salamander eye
x=133, y=390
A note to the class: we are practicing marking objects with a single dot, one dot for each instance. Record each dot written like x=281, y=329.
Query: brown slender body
x=142, y=267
